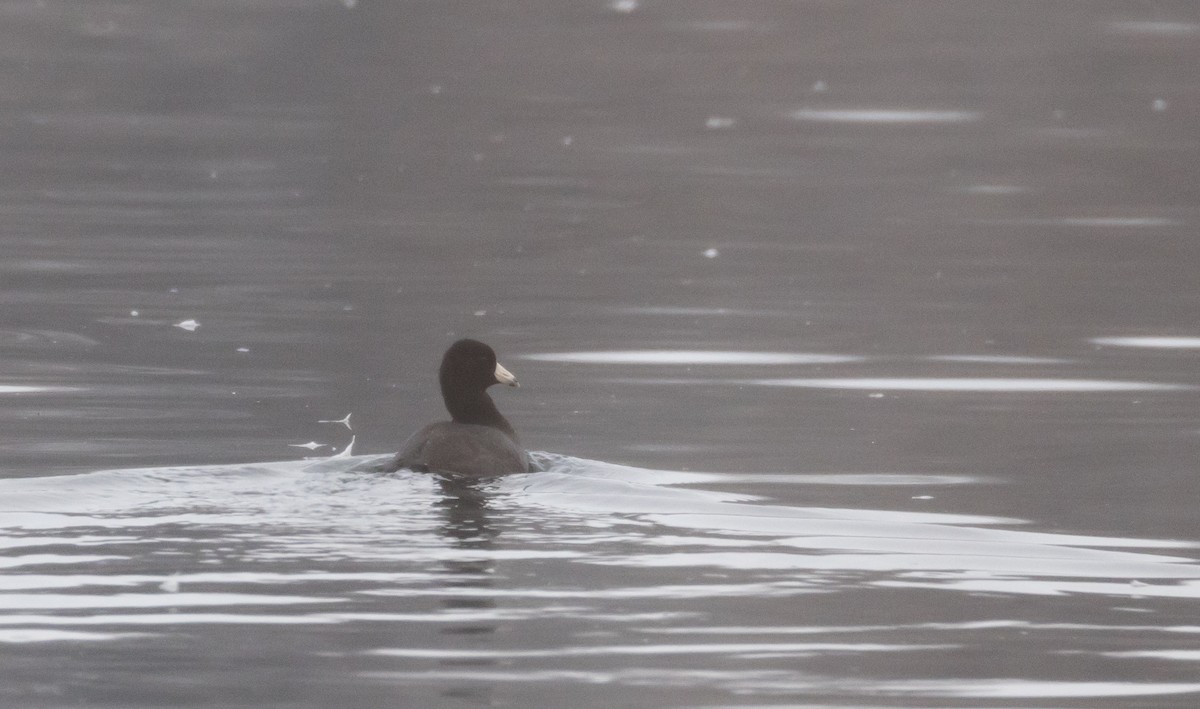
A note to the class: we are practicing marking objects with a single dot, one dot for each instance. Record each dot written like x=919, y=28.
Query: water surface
x=583, y=579
x=857, y=341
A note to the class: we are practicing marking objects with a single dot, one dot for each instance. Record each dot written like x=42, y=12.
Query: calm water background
x=862, y=337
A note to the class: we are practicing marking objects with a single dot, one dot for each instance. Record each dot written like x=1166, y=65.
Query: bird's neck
x=476, y=408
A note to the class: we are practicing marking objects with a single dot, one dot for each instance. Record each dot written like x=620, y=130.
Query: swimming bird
x=477, y=440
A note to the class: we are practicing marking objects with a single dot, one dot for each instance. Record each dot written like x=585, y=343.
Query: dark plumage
x=477, y=440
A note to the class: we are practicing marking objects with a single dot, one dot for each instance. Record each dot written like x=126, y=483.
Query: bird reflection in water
x=464, y=505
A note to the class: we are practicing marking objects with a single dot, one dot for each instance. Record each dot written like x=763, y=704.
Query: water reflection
x=464, y=504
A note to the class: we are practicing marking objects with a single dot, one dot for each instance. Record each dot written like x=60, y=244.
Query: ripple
x=692, y=311
x=779, y=683
x=1038, y=564
x=1057, y=587
x=1023, y=688
x=660, y=649
x=848, y=479
x=22, y=389
x=43, y=635
x=883, y=116
x=304, y=528
x=689, y=357
x=44, y=338
x=999, y=359
x=173, y=618
x=1117, y=221
x=973, y=384
x=1150, y=342
x=995, y=189
x=60, y=601
x=690, y=591
x=62, y=559
x=1175, y=655
x=1140, y=222
x=1151, y=27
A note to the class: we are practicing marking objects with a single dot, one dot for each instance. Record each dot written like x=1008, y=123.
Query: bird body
x=478, y=440
x=465, y=448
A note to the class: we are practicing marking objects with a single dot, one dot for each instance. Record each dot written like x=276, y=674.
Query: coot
x=478, y=440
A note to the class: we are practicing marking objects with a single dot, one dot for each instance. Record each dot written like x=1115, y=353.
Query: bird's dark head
x=470, y=364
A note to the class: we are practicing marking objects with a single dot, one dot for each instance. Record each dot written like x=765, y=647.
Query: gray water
x=857, y=344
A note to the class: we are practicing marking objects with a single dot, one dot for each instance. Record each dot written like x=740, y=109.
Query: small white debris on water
x=170, y=584
x=311, y=445
x=720, y=122
x=820, y=87
x=347, y=451
x=711, y=253
x=174, y=290
x=435, y=88
x=1159, y=105
x=189, y=325
x=567, y=140
x=624, y=6
x=922, y=497
x=243, y=349
x=345, y=421
x=875, y=395
x=480, y=313
x=133, y=313
x=350, y=4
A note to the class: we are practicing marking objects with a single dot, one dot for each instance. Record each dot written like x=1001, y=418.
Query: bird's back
x=463, y=448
